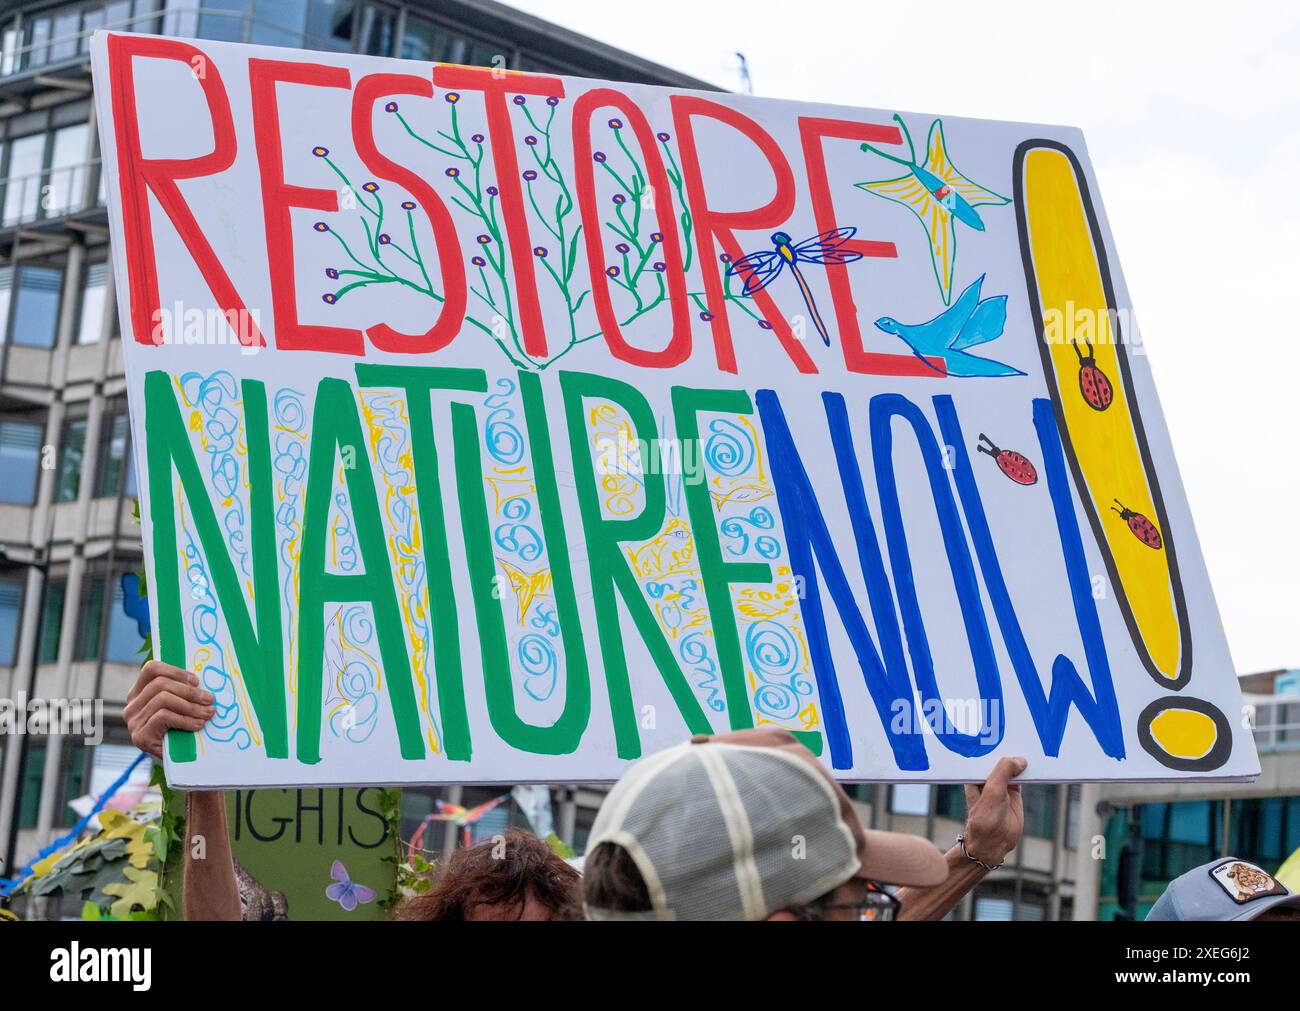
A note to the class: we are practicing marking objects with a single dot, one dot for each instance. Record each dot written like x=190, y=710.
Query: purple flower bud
x=370, y=187
x=540, y=252
x=408, y=205
x=477, y=138
x=623, y=247
x=518, y=100
x=384, y=238
x=332, y=273
x=530, y=175
x=598, y=156
x=320, y=152
x=612, y=271
x=764, y=325
x=619, y=198
x=452, y=97
x=660, y=265
x=329, y=298
x=452, y=172
x=478, y=261
x=530, y=140
x=665, y=137
x=492, y=191
x=656, y=237
x=552, y=101
x=616, y=124
x=390, y=107
x=320, y=226
x=483, y=240
x=706, y=316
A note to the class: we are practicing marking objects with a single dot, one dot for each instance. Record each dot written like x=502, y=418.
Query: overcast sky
x=1192, y=116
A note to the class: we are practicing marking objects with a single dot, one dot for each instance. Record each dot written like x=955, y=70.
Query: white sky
x=1192, y=115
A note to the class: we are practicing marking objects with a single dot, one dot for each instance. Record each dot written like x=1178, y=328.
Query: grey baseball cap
x=739, y=825
x=1223, y=889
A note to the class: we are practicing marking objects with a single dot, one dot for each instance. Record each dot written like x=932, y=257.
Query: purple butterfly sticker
x=346, y=892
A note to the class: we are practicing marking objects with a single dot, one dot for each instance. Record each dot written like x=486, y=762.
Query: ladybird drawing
x=1093, y=384
x=1143, y=529
x=1014, y=465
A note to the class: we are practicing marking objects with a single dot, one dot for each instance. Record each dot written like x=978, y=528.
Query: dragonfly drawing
x=758, y=270
x=938, y=194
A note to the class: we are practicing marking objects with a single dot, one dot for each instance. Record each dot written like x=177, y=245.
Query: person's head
x=516, y=876
x=743, y=826
x=1226, y=889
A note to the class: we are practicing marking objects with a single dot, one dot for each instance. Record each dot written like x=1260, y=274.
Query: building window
x=90, y=323
x=950, y=802
x=115, y=453
x=47, y=649
x=909, y=798
x=31, y=296
x=1040, y=810
x=20, y=452
x=72, y=778
x=72, y=458
x=121, y=638
x=11, y=610
x=46, y=174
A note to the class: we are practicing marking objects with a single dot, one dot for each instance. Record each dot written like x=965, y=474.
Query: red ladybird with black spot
x=1143, y=529
x=1014, y=465
x=1093, y=383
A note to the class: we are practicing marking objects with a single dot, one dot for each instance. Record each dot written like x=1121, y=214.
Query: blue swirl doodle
x=760, y=518
x=501, y=436
x=542, y=615
x=356, y=678
x=210, y=396
x=730, y=449
x=289, y=462
x=346, y=540
x=694, y=651
x=539, y=662
x=227, y=726
x=773, y=654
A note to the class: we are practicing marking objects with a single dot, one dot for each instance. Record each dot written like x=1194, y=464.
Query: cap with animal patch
x=1224, y=889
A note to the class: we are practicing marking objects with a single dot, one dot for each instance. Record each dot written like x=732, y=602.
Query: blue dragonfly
x=758, y=270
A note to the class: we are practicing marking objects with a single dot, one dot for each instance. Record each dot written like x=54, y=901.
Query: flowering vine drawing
x=388, y=251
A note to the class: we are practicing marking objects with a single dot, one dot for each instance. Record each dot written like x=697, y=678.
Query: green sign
x=311, y=854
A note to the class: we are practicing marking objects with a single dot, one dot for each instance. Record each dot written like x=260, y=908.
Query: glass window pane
x=330, y=24
x=67, y=176
x=20, y=451
x=378, y=26
x=910, y=798
x=182, y=18
x=11, y=609
x=38, y=34
x=63, y=44
x=47, y=650
x=36, y=306
x=91, y=619
x=420, y=39
x=278, y=22
x=123, y=633
x=23, y=184
x=72, y=457
x=113, y=455
x=6, y=293
x=91, y=321
x=223, y=20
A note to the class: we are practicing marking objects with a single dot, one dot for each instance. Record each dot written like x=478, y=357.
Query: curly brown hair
x=503, y=873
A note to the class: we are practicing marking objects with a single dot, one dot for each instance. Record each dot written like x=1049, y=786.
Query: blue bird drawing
x=967, y=323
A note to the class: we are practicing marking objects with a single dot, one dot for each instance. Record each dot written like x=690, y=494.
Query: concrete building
x=67, y=535
x=67, y=484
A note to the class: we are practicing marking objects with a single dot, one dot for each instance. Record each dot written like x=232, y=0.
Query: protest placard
x=501, y=427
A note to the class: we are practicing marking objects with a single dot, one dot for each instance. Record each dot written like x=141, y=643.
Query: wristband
x=961, y=841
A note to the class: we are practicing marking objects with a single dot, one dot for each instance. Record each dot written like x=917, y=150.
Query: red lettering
x=678, y=348
x=278, y=198
x=140, y=176
x=495, y=87
x=856, y=359
x=710, y=223
x=370, y=90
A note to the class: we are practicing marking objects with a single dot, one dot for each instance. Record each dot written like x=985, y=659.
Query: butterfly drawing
x=346, y=892
x=938, y=194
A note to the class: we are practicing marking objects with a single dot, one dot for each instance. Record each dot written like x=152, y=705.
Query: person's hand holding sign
x=995, y=819
x=995, y=814
x=165, y=698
